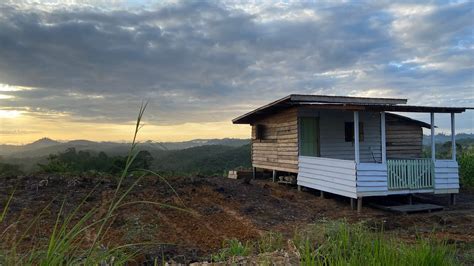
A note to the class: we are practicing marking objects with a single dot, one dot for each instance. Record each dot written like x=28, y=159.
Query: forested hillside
x=205, y=160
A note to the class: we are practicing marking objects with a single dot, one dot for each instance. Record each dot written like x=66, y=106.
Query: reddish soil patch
x=216, y=209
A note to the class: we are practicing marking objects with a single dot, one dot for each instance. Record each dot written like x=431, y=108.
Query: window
x=349, y=131
x=260, y=131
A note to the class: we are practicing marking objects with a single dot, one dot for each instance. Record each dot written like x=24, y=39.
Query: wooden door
x=309, y=136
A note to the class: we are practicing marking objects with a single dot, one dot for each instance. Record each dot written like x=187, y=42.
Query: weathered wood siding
x=371, y=179
x=446, y=176
x=332, y=134
x=278, y=150
x=404, y=139
x=329, y=175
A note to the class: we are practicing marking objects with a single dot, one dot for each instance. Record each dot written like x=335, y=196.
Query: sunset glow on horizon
x=30, y=129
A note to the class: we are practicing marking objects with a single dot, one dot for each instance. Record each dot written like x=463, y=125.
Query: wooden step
x=410, y=208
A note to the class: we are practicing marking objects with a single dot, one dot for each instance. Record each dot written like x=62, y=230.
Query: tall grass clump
x=232, y=248
x=339, y=243
x=77, y=239
x=269, y=242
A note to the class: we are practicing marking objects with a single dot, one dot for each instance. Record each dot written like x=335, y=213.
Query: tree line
x=72, y=161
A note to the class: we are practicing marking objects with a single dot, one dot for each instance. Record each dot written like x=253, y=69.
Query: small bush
x=466, y=169
x=7, y=170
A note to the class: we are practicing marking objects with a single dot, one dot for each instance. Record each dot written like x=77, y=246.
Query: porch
x=356, y=178
x=407, y=176
x=345, y=177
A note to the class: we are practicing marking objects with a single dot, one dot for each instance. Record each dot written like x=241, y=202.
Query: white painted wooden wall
x=332, y=134
x=446, y=176
x=329, y=175
x=346, y=178
x=371, y=179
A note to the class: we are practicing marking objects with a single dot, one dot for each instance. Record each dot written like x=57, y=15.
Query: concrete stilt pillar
x=359, y=205
x=353, y=204
x=452, y=199
x=274, y=174
x=321, y=194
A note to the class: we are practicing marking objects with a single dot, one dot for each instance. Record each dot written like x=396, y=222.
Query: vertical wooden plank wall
x=278, y=150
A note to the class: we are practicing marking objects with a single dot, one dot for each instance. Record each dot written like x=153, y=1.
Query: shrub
x=7, y=169
x=466, y=169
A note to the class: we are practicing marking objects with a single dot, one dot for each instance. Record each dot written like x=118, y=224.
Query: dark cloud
x=199, y=62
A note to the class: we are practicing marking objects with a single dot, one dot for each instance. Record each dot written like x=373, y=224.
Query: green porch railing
x=410, y=174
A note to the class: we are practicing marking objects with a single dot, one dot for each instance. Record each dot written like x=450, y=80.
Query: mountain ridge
x=46, y=146
x=441, y=137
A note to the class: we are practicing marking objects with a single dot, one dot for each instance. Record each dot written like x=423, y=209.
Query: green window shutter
x=309, y=136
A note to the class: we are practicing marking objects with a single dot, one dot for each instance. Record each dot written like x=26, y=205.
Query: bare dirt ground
x=217, y=209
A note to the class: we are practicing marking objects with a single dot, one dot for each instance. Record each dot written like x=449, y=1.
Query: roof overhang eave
x=390, y=105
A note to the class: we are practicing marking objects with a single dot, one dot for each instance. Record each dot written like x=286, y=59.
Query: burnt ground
x=216, y=209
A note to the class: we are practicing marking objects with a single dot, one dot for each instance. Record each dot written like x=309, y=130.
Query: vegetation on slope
x=466, y=170
x=7, y=170
x=74, y=240
x=340, y=243
x=464, y=155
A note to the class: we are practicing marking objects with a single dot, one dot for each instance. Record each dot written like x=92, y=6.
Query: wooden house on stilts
x=351, y=146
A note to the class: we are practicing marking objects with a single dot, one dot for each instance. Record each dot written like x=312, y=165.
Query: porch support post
x=452, y=197
x=453, y=137
x=383, y=138
x=356, y=137
x=433, y=144
x=274, y=174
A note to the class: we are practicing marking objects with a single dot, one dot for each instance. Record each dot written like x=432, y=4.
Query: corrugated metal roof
x=343, y=103
x=344, y=99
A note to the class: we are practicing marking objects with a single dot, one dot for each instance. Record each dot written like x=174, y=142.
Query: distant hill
x=206, y=160
x=46, y=146
x=442, y=138
x=39, y=144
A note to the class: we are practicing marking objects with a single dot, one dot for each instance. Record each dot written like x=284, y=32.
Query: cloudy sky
x=80, y=70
